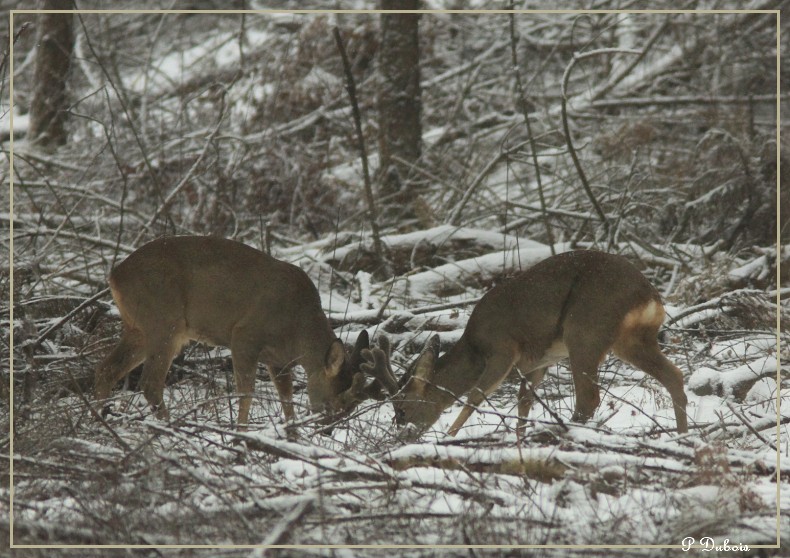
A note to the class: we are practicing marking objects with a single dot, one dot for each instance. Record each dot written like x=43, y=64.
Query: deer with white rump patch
x=222, y=292
x=580, y=305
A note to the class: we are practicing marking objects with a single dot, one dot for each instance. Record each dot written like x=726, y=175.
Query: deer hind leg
x=526, y=392
x=587, y=344
x=496, y=370
x=155, y=367
x=585, y=354
x=127, y=355
x=641, y=349
x=584, y=369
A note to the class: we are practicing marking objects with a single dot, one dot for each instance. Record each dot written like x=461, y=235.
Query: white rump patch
x=651, y=314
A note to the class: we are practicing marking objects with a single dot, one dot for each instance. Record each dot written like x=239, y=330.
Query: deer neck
x=312, y=346
x=455, y=373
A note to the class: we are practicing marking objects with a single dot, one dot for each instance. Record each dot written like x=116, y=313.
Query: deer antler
x=347, y=400
x=377, y=365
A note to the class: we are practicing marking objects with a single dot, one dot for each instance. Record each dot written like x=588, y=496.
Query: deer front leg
x=283, y=381
x=496, y=370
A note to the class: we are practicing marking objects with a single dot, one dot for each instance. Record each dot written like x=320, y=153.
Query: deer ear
x=363, y=342
x=423, y=368
x=334, y=359
x=417, y=386
x=432, y=345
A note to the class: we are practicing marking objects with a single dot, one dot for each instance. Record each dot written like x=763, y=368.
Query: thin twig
x=352, y=95
x=662, y=100
x=185, y=180
x=96, y=415
x=124, y=105
x=572, y=150
x=750, y=427
x=522, y=107
x=455, y=217
x=566, y=129
x=612, y=83
x=57, y=325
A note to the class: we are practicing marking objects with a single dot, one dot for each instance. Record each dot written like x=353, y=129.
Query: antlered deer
x=580, y=305
x=222, y=292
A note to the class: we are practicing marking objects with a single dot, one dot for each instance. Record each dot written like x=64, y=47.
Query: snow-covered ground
x=624, y=476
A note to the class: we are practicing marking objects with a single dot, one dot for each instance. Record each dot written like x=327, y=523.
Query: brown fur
x=222, y=292
x=580, y=304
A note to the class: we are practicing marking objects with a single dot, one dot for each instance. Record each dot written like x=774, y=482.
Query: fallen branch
x=660, y=100
x=57, y=325
x=541, y=470
x=734, y=383
x=282, y=530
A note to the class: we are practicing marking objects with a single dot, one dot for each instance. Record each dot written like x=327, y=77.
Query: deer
x=224, y=293
x=579, y=305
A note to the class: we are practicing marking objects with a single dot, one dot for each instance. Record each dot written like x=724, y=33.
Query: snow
x=725, y=382
x=748, y=270
x=702, y=377
x=758, y=367
x=21, y=122
x=319, y=78
x=220, y=50
x=517, y=257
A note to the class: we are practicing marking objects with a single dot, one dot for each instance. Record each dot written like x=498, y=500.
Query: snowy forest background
x=241, y=126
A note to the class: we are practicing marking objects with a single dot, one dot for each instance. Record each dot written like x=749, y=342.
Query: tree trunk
x=55, y=40
x=399, y=106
